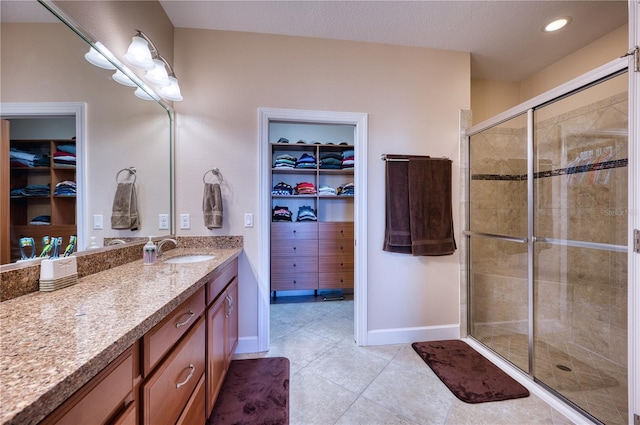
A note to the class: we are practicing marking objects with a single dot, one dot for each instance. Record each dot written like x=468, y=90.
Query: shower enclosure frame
x=609, y=70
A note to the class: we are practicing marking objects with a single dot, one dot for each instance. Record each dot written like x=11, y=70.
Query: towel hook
x=131, y=170
x=216, y=172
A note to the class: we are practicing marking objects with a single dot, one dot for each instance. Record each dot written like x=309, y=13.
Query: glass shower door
x=580, y=249
x=498, y=271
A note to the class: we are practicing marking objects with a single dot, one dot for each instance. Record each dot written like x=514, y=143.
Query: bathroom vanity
x=132, y=344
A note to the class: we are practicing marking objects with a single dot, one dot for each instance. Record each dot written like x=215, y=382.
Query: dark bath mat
x=254, y=392
x=470, y=377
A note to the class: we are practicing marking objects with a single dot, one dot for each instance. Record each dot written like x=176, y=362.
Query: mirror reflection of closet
x=43, y=61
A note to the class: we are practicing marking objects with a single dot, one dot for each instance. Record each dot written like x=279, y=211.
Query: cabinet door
x=232, y=320
x=216, y=350
x=193, y=413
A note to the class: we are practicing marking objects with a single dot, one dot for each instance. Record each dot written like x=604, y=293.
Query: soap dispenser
x=149, y=253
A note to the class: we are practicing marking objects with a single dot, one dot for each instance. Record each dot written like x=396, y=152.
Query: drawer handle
x=229, y=299
x=191, y=313
x=294, y=231
x=341, y=280
x=193, y=370
x=294, y=264
x=294, y=248
x=294, y=282
x=341, y=264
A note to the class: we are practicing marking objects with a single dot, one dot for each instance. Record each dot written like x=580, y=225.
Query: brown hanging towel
x=430, y=213
x=418, y=214
x=397, y=231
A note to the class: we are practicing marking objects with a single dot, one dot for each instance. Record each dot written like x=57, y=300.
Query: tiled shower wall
x=581, y=195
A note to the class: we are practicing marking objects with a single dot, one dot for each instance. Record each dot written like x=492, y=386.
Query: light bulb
x=158, y=75
x=172, y=91
x=123, y=79
x=138, y=54
x=96, y=58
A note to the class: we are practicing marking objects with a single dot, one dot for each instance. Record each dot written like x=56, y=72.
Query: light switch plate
x=185, y=221
x=248, y=220
x=97, y=222
x=163, y=221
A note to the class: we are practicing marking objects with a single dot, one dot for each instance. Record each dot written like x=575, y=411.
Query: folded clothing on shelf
x=62, y=158
x=282, y=188
x=306, y=161
x=31, y=190
x=41, y=220
x=331, y=160
x=21, y=158
x=347, y=189
x=305, y=188
x=285, y=161
x=326, y=190
x=306, y=213
x=65, y=188
x=281, y=214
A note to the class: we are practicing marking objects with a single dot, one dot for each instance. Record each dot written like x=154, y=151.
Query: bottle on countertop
x=149, y=252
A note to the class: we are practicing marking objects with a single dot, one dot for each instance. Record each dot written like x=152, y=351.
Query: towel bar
x=216, y=172
x=131, y=170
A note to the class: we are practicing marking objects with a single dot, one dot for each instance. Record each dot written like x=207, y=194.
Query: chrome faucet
x=115, y=242
x=162, y=242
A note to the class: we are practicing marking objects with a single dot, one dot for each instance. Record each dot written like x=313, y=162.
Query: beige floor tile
x=366, y=412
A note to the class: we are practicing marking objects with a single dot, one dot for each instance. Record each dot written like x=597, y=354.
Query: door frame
x=53, y=110
x=359, y=120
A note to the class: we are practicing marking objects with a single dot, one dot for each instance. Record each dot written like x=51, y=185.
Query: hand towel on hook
x=212, y=206
x=124, y=213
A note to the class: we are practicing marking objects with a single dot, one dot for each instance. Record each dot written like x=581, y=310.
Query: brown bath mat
x=254, y=392
x=470, y=377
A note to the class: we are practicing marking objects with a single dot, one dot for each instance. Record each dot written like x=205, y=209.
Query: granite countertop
x=52, y=343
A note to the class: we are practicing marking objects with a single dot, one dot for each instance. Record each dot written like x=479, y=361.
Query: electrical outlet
x=97, y=222
x=248, y=220
x=185, y=221
x=163, y=221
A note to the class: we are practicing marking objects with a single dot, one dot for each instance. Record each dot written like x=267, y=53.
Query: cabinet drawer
x=220, y=280
x=294, y=265
x=335, y=246
x=166, y=392
x=159, y=340
x=289, y=281
x=193, y=413
x=284, y=247
x=294, y=231
x=335, y=263
x=335, y=280
x=335, y=230
x=101, y=398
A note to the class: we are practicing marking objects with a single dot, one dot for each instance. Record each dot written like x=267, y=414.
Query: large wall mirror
x=42, y=62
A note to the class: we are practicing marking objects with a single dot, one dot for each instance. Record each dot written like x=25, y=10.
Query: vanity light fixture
x=122, y=78
x=557, y=24
x=99, y=58
x=144, y=95
x=143, y=54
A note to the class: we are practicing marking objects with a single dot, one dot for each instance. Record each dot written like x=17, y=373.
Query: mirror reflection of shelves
x=42, y=191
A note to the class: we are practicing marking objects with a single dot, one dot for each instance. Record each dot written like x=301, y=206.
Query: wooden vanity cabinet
x=222, y=329
x=110, y=397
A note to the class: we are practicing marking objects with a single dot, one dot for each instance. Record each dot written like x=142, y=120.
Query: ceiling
x=504, y=37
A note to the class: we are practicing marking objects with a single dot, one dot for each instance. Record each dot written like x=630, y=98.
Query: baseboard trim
x=408, y=335
x=247, y=344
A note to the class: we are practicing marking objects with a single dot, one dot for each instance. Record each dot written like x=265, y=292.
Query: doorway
x=47, y=120
x=548, y=243
x=359, y=123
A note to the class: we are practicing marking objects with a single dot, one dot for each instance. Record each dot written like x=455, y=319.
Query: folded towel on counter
x=124, y=212
x=212, y=206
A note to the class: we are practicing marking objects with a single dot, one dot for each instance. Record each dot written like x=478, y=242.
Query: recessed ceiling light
x=556, y=24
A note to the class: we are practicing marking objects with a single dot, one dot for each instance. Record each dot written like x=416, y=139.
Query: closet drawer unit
x=285, y=247
x=169, y=388
x=335, y=247
x=291, y=281
x=294, y=231
x=335, y=263
x=159, y=340
x=335, y=280
x=295, y=264
x=336, y=230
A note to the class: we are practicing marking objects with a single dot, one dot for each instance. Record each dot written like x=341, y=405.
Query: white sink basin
x=190, y=258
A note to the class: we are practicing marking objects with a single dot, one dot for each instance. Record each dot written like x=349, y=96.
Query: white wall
x=412, y=96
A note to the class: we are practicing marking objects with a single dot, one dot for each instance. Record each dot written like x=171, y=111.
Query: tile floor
x=333, y=381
